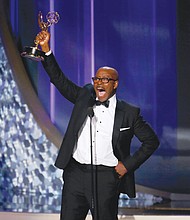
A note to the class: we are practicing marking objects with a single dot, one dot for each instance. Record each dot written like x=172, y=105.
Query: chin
x=102, y=99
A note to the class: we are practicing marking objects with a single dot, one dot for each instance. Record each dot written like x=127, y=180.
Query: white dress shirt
x=102, y=129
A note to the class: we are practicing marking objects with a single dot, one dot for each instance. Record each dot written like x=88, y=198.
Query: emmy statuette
x=33, y=52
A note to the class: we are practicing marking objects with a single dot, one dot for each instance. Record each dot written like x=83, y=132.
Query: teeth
x=100, y=89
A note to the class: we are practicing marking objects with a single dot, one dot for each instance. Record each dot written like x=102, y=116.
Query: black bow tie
x=105, y=103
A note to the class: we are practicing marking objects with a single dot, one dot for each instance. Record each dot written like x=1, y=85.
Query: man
x=113, y=127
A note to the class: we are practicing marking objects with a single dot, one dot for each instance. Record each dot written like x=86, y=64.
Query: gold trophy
x=33, y=52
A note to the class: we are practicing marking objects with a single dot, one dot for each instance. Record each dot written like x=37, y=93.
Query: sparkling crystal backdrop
x=26, y=155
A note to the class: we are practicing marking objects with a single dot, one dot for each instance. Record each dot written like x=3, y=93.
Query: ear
x=116, y=84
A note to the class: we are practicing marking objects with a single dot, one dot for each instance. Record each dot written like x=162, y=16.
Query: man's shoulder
x=126, y=106
x=90, y=88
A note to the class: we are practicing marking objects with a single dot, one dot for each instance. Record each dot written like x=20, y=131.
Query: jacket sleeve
x=66, y=87
x=149, y=143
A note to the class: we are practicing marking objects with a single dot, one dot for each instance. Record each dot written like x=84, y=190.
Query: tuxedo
x=128, y=123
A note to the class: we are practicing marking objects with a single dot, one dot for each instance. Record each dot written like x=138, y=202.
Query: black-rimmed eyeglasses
x=103, y=80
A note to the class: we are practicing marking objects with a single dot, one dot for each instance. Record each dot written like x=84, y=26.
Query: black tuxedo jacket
x=127, y=123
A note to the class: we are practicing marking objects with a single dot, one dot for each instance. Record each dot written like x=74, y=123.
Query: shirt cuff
x=48, y=53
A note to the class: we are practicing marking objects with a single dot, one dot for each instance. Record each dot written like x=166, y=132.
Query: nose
x=99, y=81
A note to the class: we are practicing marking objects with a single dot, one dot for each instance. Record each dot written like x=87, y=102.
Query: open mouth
x=101, y=92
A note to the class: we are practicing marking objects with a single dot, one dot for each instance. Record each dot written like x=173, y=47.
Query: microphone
x=90, y=112
x=94, y=203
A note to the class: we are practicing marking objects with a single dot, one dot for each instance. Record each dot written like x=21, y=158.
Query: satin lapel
x=119, y=114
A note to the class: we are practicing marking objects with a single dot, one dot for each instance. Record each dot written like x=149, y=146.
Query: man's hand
x=43, y=40
x=120, y=169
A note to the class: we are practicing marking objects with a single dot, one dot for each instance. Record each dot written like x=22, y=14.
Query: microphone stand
x=93, y=171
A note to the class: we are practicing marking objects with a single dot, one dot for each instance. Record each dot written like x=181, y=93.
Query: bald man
x=112, y=123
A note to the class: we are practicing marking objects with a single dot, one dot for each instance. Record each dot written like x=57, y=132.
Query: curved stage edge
x=30, y=216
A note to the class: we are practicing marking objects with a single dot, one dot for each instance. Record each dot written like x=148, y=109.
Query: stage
x=24, y=206
x=33, y=216
x=141, y=208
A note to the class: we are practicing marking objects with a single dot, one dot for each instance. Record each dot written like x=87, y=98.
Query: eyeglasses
x=103, y=80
